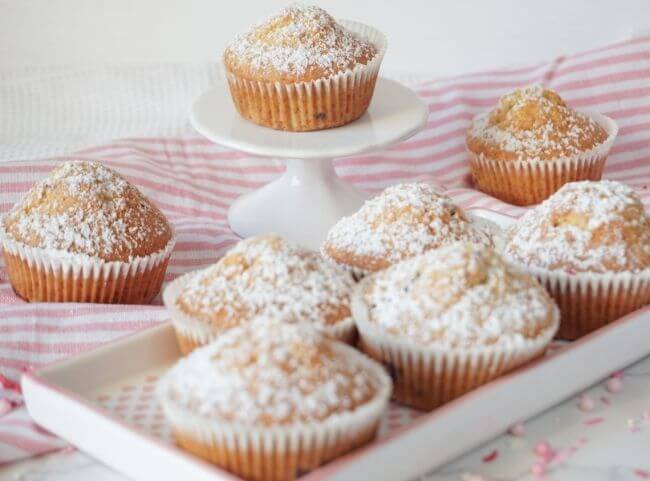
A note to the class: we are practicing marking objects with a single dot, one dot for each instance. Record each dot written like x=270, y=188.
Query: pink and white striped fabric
x=194, y=182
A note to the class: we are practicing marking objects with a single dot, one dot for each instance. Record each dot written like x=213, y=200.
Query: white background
x=439, y=37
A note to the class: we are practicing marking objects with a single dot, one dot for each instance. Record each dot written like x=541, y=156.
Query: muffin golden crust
x=450, y=320
x=461, y=295
x=309, y=398
x=532, y=144
x=403, y=221
x=250, y=375
x=586, y=226
x=300, y=44
x=84, y=234
x=589, y=245
x=301, y=70
x=533, y=123
x=265, y=275
x=85, y=208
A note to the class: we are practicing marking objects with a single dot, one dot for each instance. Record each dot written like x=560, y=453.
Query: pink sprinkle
x=585, y=403
x=5, y=406
x=618, y=374
x=517, y=430
x=563, y=456
x=592, y=421
x=641, y=473
x=635, y=429
x=604, y=400
x=538, y=469
x=543, y=448
x=570, y=271
x=8, y=384
x=614, y=385
x=646, y=415
x=488, y=458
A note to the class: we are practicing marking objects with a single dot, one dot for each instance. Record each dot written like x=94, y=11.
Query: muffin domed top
x=300, y=44
x=461, y=295
x=84, y=208
x=267, y=275
x=584, y=227
x=401, y=222
x=273, y=373
x=533, y=123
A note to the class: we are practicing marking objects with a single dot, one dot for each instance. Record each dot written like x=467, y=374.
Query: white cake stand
x=305, y=201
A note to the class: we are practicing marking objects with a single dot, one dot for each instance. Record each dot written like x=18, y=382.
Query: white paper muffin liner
x=281, y=452
x=44, y=275
x=192, y=333
x=526, y=182
x=426, y=377
x=589, y=301
x=319, y=104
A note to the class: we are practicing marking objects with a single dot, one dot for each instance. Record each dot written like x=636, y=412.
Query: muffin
x=269, y=400
x=262, y=275
x=532, y=143
x=450, y=320
x=300, y=70
x=84, y=234
x=403, y=221
x=589, y=245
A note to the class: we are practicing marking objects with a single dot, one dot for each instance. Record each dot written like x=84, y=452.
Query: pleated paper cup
x=192, y=333
x=319, y=104
x=589, y=301
x=428, y=376
x=42, y=275
x=344, y=330
x=527, y=182
x=280, y=452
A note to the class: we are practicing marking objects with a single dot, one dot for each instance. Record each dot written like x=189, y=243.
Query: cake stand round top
x=395, y=114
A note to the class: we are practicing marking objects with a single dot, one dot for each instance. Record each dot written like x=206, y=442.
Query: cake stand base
x=301, y=205
x=309, y=198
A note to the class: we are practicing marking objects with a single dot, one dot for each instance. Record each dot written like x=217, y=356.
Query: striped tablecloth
x=194, y=182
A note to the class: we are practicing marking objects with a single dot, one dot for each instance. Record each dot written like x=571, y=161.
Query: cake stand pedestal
x=304, y=202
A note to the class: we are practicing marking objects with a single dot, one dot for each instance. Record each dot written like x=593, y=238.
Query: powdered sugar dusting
x=267, y=275
x=298, y=39
x=269, y=373
x=585, y=226
x=84, y=208
x=404, y=221
x=460, y=295
x=534, y=123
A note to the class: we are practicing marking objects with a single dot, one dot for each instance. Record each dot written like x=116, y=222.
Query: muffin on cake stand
x=309, y=197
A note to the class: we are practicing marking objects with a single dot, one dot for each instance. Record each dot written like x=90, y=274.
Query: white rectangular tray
x=103, y=403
